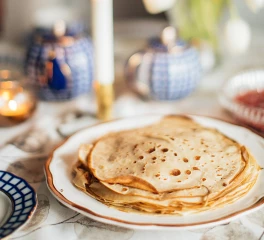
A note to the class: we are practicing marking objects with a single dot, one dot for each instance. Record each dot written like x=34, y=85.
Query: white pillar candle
x=102, y=31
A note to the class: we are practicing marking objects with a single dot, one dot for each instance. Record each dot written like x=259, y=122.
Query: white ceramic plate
x=59, y=166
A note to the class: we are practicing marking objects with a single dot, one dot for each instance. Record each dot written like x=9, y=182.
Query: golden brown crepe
x=170, y=167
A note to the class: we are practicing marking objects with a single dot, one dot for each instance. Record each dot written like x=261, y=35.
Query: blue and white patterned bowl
x=23, y=201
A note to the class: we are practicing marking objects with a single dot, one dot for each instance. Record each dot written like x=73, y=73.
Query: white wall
x=256, y=20
x=19, y=15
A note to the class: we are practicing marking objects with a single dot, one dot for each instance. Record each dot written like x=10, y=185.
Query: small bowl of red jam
x=243, y=96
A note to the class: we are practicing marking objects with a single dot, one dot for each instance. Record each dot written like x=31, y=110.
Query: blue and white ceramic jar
x=164, y=73
x=60, y=66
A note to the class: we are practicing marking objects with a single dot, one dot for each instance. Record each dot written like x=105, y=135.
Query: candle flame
x=6, y=95
x=12, y=104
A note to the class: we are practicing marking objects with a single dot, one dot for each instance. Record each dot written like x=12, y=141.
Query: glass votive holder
x=17, y=103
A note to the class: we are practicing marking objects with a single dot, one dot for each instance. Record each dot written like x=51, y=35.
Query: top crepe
x=174, y=154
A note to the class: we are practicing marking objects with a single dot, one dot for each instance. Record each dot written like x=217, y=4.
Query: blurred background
x=49, y=44
x=205, y=24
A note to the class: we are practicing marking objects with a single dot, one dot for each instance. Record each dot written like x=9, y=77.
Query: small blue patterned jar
x=61, y=67
x=164, y=74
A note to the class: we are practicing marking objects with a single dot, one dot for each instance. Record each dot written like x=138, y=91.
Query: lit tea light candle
x=16, y=104
x=14, y=109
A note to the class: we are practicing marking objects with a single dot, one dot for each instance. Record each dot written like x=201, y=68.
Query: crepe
x=171, y=167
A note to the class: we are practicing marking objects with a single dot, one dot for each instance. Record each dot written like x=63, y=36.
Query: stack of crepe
x=171, y=167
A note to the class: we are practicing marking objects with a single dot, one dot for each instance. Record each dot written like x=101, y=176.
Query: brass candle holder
x=105, y=98
x=16, y=103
